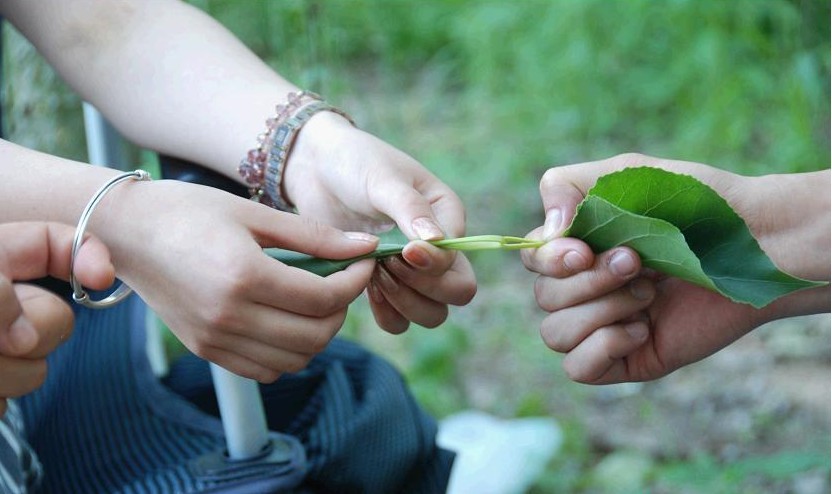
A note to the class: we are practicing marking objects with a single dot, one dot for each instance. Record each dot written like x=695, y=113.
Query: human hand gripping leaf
x=615, y=321
x=683, y=228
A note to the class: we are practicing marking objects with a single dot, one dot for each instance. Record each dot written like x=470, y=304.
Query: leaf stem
x=325, y=267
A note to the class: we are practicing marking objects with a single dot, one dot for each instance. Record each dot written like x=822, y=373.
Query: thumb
x=562, y=188
x=302, y=234
x=414, y=211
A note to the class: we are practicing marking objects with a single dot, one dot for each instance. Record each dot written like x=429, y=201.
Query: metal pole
x=243, y=416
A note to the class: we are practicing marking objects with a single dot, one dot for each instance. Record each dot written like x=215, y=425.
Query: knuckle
x=631, y=159
x=206, y=345
x=550, y=178
x=330, y=302
x=222, y=316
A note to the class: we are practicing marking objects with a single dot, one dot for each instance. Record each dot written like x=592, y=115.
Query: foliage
x=489, y=94
x=683, y=228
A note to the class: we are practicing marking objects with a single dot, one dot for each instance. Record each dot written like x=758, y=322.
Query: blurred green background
x=489, y=94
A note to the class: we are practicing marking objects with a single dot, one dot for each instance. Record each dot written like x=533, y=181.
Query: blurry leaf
x=683, y=228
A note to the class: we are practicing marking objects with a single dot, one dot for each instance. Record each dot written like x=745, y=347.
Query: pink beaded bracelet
x=263, y=167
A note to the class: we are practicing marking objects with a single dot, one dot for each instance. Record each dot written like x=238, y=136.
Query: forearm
x=39, y=187
x=792, y=221
x=790, y=216
x=169, y=77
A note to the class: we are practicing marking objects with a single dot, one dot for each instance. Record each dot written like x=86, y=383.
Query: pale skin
x=616, y=322
x=193, y=253
x=33, y=321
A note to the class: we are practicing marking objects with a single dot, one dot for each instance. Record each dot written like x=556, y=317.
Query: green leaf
x=683, y=228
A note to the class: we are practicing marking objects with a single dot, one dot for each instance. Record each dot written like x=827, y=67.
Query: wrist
x=264, y=167
x=318, y=142
x=789, y=215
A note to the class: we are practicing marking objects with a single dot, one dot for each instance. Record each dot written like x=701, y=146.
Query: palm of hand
x=687, y=324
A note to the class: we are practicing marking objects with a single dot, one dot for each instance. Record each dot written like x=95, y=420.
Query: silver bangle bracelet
x=78, y=294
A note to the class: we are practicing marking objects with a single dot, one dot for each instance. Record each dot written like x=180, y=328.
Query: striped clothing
x=103, y=423
x=20, y=470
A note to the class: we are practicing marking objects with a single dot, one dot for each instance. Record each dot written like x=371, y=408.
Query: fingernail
x=375, y=293
x=361, y=236
x=622, y=264
x=426, y=229
x=416, y=256
x=641, y=289
x=22, y=335
x=636, y=330
x=552, y=223
x=396, y=265
x=574, y=261
x=385, y=279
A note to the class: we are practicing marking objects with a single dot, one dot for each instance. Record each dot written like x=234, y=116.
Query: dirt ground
x=767, y=394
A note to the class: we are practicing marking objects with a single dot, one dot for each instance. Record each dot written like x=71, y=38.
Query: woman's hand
x=616, y=321
x=195, y=256
x=33, y=321
x=350, y=179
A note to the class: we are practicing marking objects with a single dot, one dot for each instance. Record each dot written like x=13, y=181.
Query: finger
x=559, y=258
x=303, y=234
x=560, y=195
x=33, y=250
x=601, y=357
x=17, y=334
x=456, y=286
x=276, y=359
x=49, y=314
x=302, y=292
x=286, y=330
x=565, y=329
x=239, y=364
x=611, y=270
x=408, y=302
x=411, y=210
x=21, y=376
x=386, y=316
x=428, y=258
x=447, y=209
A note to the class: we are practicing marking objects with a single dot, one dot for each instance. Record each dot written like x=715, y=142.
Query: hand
x=351, y=179
x=616, y=321
x=33, y=321
x=200, y=267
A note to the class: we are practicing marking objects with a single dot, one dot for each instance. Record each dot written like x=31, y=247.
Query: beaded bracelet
x=281, y=147
x=263, y=167
x=253, y=167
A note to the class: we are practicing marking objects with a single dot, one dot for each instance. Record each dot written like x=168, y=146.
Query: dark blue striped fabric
x=103, y=424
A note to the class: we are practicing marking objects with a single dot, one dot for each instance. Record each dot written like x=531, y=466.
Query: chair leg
x=242, y=413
